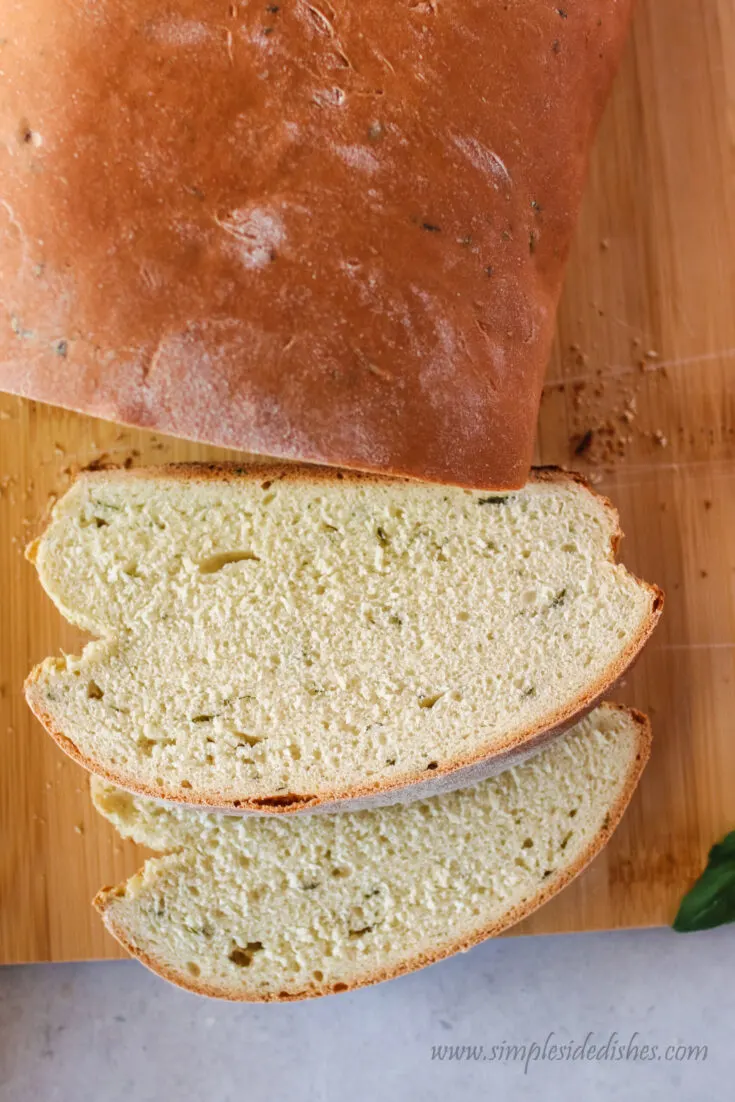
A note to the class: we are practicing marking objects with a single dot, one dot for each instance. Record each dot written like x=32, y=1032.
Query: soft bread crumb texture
x=261, y=908
x=295, y=636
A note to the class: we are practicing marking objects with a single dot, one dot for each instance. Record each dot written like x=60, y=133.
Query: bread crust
x=359, y=267
x=463, y=770
x=422, y=960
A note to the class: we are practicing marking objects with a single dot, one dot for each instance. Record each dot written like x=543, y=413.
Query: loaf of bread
x=323, y=231
x=277, y=639
x=270, y=909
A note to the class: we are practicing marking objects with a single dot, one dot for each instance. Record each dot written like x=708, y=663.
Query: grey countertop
x=112, y=1032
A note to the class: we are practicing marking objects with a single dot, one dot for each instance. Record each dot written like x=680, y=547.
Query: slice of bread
x=261, y=909
x=279, y=639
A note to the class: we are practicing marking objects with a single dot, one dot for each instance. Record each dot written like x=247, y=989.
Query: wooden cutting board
x=640, y=395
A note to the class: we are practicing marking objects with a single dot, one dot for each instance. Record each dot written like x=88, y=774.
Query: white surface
x=109, y=1032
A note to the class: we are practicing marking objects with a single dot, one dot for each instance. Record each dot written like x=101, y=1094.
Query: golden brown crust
x=552, y=888
x=462, y=770
x=349, y=251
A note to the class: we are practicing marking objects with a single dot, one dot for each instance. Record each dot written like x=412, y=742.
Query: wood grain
x=643, y=367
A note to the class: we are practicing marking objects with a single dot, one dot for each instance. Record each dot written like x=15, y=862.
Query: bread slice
x=278, y=639
x=261, y=909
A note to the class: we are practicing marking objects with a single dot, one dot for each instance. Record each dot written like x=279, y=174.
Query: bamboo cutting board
x=640, y=395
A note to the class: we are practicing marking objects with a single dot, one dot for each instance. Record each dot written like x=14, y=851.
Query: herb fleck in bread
x=277, y=639
x=259, y=909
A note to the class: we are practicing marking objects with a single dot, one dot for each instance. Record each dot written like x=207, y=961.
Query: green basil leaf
x=711, y=901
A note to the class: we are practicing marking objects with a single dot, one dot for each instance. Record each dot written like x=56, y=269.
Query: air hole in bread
x=433, y=765
x=250, y=740
x=242, y=956
x=430, y=699
x=94, y=692
x=225, y=558
x=193, y=969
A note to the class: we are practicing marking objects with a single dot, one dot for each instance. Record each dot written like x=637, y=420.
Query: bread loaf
x=282, y=639
x=331, y=232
